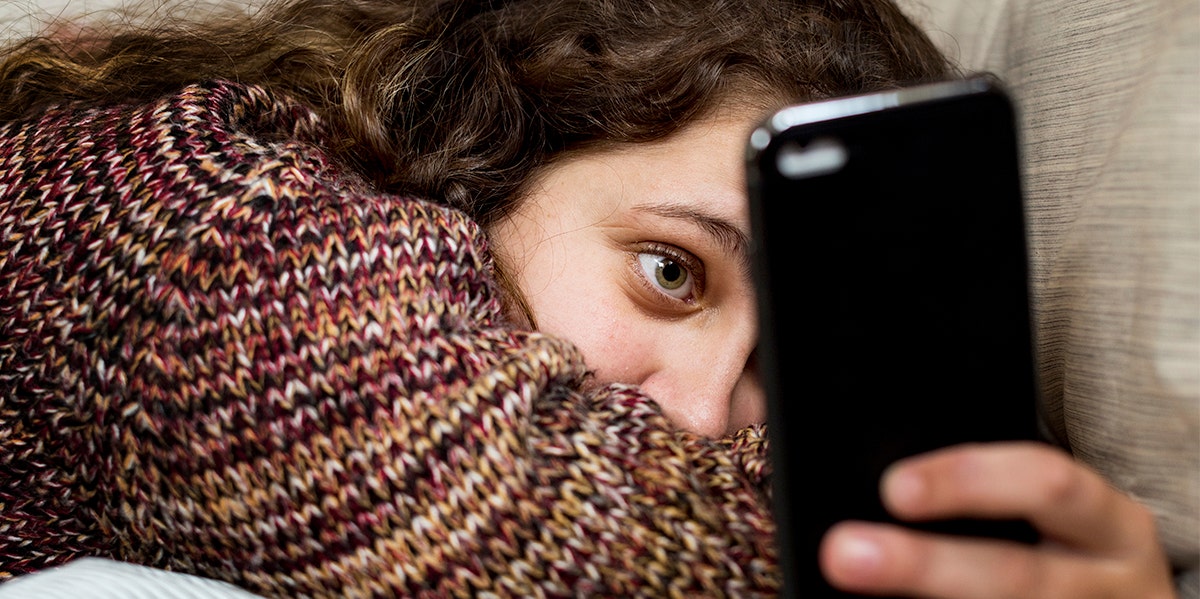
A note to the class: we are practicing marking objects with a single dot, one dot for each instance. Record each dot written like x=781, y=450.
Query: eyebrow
x=727, y=235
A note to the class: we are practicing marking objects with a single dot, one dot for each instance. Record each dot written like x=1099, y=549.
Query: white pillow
x=95, y=578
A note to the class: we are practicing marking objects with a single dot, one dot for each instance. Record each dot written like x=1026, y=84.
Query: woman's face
x=638, y=255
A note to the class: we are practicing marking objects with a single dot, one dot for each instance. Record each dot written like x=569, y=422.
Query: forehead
x=701, y=167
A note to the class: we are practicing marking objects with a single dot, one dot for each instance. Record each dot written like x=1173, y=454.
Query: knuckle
x=1142, y=515
x=1030, y=574
x=1024, y=575
x=1061, y=480
x=1143, y=520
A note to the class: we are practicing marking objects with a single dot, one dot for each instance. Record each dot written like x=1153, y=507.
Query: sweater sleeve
x=306, y=389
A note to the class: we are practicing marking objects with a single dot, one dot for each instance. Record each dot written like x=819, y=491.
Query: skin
x=585, y=245
x=1097, y=541
x=591, y=240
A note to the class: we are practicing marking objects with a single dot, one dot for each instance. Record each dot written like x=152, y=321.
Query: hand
x=1096, y=541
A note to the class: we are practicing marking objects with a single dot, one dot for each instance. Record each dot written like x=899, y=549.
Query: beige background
x=20, y=18
x=1109, y=92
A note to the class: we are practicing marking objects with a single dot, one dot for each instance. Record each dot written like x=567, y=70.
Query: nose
x=711, y=395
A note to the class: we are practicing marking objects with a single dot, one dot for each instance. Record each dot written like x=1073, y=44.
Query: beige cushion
x=22, y=18
x=1109, y=95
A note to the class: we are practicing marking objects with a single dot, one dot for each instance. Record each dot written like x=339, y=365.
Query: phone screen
x=890, y=259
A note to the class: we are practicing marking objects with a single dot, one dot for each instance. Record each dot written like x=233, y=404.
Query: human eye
x=671, y=272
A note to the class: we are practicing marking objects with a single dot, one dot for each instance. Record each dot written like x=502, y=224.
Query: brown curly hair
x=462, y=100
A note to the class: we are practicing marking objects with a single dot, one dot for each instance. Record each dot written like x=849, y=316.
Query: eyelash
x=693, y=266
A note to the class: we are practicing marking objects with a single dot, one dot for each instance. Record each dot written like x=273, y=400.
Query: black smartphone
x=891, y=268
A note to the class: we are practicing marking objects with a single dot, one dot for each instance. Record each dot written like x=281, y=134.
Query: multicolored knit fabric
x=220, y=354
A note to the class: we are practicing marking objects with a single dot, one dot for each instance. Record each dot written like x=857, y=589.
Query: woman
x=269, y=286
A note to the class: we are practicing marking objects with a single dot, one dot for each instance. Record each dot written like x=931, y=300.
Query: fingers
x=888, y=560
x=1064, y=500
x=1097, y=542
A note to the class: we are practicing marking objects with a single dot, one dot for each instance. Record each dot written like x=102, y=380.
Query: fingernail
x=860, y=555
x=905, y=489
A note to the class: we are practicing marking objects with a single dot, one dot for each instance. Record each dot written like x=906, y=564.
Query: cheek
x=622, y=355
x=604, y=330
x=572, y=284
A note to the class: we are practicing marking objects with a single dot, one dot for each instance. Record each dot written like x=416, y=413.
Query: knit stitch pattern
x=221, y=354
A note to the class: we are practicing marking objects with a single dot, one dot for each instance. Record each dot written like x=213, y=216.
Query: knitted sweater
x=222, y=355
